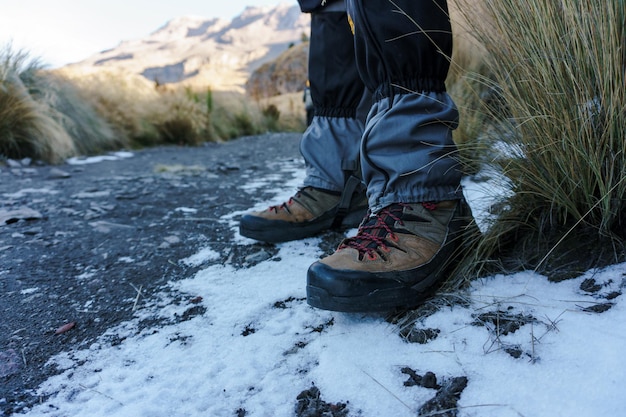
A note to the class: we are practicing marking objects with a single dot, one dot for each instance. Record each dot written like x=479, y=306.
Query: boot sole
x=276, y=231
x=354, y=292
x=377, y=301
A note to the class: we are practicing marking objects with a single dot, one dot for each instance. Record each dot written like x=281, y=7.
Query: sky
x=65, y=31
x=258, y=345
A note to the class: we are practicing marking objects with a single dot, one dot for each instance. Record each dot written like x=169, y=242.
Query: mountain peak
x=187, y=26
x=199, y=51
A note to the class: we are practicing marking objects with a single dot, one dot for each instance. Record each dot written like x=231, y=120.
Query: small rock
x=612, y=295
x=106, y=227
x=91, y=194
x=21, y=213
x=590, y=285
x=421, y=336
x=172, y=240
x=58, y=174
x=310, y=404
x=33, y=231
x=258, y=257
x=444, y=403
x=428, y=380
x=598, y=308
x=13, y=163
x=227, y=168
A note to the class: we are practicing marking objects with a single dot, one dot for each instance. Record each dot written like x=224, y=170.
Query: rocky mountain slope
x=211, y=52
x=285, y=74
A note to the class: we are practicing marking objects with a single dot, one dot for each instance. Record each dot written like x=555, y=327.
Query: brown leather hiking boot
x=307, y=213
x=395, y=261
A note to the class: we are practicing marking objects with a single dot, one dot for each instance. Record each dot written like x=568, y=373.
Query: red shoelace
x=377, y=235
x=286, y=204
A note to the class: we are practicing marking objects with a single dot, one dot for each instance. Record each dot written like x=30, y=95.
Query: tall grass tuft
x=180, y=116
x=125, y=101
x=558, y=68
x=28, y=127
x=90, y=133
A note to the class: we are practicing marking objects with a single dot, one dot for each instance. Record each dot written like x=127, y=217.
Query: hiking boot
x=397, y=259
x=309, y=212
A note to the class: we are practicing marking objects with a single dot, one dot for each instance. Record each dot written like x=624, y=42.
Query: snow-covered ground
x=528, y=347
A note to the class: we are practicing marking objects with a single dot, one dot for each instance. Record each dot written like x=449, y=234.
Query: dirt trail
x=80, y=244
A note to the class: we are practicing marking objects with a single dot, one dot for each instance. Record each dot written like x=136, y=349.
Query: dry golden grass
x=147, y=114
x=237, y=114
x=291, y=109
x=27, y=129
x=52, y=115
x=29, y=126
x=125, y=101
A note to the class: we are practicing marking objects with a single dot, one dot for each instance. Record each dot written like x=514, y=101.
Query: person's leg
x=408, y=162
x=332, y=193
x=403, y=55
x=335, y=134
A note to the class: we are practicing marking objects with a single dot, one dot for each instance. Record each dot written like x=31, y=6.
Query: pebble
x=58, y=174
x=172, y=240
x=20, y=213
x=260, y=256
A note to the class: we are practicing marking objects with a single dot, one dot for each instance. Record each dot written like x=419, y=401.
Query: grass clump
x=28, y=127
x=42, y=116
x=122, y=100
x=558, y=69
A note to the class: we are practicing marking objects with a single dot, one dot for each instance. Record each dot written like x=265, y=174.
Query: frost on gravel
x=241, y=341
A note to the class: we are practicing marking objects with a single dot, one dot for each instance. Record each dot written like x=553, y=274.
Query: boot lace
x=286, y=204
x=377, y=235
x=283, y=206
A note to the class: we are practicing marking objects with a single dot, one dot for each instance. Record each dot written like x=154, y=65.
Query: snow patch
x=250, y=342
x=113, y=156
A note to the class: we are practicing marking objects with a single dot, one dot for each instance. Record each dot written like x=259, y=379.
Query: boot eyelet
x=371, y=256
x=393, y=237
x=386, y=249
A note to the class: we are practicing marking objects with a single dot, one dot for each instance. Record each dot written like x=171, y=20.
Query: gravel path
x=81, y=244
